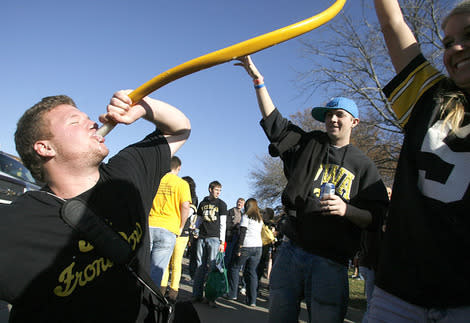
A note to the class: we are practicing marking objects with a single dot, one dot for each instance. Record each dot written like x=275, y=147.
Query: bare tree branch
x=349, y=58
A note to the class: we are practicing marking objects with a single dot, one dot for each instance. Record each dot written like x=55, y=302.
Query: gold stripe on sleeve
x=406, y=94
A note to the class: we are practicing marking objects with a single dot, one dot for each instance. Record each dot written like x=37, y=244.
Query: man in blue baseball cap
x=323, y=233
x=345, y=104
x=340, y=116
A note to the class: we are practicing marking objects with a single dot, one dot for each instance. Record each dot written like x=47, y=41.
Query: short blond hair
x=32, y=127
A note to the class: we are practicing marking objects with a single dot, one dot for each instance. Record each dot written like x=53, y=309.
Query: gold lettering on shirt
x=340, y=176
x=209, y=212
x=85, y=246
x=343, y=186
x=70, y=278
x=135, y=236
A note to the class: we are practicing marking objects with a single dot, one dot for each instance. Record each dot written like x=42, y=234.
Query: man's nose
x=460, y=44
x=457, y=46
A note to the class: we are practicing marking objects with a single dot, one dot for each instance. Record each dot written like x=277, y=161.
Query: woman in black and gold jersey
x=423, y=268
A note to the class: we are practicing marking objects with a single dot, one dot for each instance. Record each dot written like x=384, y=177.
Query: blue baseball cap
x=348, y=105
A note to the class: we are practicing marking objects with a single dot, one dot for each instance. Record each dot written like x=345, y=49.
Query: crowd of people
x=414, y=245
x=213, y=229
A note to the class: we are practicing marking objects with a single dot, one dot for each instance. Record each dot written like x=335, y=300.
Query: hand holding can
x=327, y=189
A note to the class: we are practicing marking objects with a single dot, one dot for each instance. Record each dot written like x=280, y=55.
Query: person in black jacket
x=321, y=234
x=49, y=272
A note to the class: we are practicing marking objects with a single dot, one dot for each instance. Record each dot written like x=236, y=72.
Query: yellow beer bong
x=220, y=56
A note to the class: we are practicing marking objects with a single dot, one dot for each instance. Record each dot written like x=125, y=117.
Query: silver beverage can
x=327, y=189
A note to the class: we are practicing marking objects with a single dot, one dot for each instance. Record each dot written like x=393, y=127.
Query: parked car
x=15, y=179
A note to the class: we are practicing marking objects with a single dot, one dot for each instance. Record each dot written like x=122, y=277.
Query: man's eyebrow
x=73, y=117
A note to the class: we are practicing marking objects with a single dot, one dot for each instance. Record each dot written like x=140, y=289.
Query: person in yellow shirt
x=167, y=217
x=175, y=265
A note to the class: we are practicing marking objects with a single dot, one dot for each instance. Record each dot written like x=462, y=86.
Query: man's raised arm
x=174, y=125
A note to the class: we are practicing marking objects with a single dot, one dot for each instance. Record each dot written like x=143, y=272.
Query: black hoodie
x=309, y=161
x=210, y=210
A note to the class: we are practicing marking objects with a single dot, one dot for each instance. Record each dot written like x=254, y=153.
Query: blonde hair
x=460, y=8
x=452, y=102
x=451, y=99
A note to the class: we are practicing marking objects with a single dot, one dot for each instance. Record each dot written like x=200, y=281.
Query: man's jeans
x=207, y=249
x=250, y=259
x=369, y=279
x=162, y=243
x=386, y=307
x=297, y=274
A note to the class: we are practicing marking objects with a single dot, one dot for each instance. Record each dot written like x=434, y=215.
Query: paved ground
x=228, y=311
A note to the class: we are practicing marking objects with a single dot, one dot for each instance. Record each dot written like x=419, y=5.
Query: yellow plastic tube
x=220, y=56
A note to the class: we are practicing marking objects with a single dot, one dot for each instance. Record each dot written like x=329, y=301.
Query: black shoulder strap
x=106, y=240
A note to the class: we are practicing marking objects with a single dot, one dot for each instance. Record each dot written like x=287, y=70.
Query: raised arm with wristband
x=322, y=235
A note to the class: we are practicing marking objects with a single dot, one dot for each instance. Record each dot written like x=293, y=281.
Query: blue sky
x=89, y=49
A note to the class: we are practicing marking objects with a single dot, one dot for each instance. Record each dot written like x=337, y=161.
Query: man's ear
x=355, y=122
x=44, y=148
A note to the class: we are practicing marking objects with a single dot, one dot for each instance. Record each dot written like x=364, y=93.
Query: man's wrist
x=258, y=80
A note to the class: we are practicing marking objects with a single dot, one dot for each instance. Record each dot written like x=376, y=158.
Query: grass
x=357, y=296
